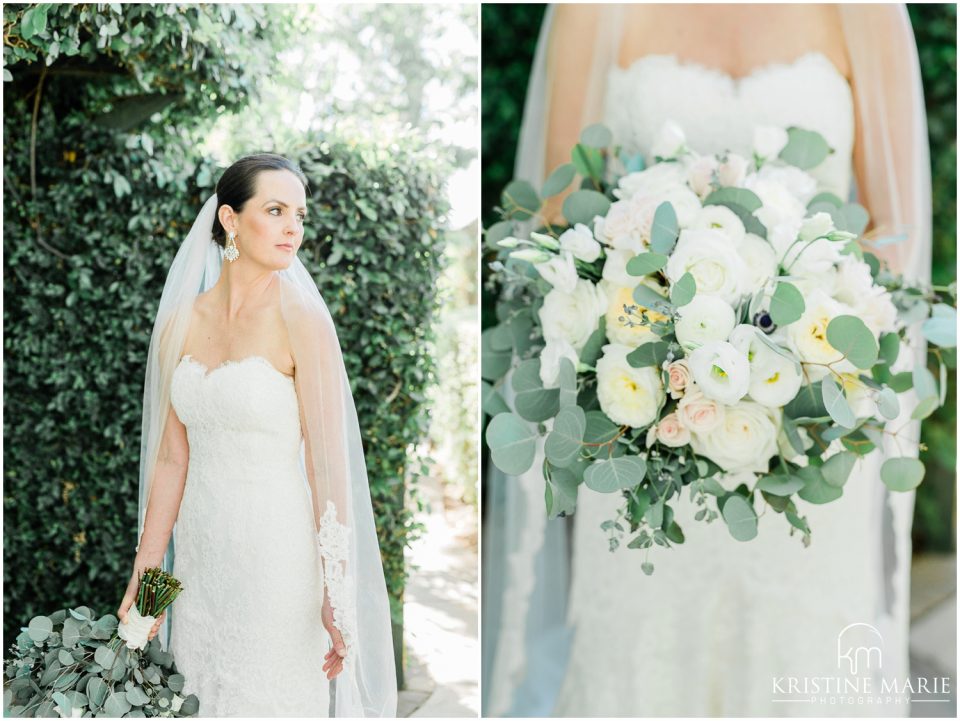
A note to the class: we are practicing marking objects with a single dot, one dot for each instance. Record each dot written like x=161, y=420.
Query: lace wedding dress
x=246, y=631
x=718, y=620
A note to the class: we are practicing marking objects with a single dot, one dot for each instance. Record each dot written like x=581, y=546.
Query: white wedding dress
x=706, y=634
x=246, y=631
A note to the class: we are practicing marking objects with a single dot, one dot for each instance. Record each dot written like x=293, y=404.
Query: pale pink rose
x=627, y=224
x=679, y=373
x=671, y=432
x=699, y=413
x=733, y=172
x=701, y=173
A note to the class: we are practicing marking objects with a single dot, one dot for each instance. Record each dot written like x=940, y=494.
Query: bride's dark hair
x=239, y=182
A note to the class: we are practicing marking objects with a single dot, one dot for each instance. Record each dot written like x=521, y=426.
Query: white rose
x=721, y=372
x=708, y=257
x=759, y=260
x=817, y=225
x=560, y=272
x=807, y=337
x=654, y=180
x=685, y=204
x=579, y=241
x=798, y=183
x=745, y=441
x=700, y=175
x=699, y=413
x=627, y=224
x=733, y=171
x=722, y=220
x=629, y=396
x=671, y=432
x=704, y=319
x=572, y=317
x=550, y=356
x=619, y=331
x=872, y=303
x=779, y=204
x=615, y=267
x=670, y=141
x=769, y=140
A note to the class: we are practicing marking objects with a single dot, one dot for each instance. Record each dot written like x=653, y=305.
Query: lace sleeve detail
x=333, y=542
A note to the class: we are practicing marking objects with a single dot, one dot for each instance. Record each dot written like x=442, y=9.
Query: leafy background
x=509, y=40
x=109, y=110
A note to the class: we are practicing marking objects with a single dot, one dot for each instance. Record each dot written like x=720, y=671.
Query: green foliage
x=71, y=663
x=87, y=251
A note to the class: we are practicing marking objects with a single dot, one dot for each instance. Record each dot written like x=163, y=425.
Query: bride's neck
x=241, y=286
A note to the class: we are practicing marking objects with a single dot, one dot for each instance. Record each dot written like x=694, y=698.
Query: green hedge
x=509, y=39
x=87, y=253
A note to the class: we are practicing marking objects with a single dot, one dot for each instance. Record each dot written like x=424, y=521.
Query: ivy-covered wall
x=104, y=107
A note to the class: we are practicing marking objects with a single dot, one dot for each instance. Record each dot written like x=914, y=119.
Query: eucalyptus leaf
x=815, y=487
x=850, y=336
x=498, y=231
x=683, y=290
x=646, y=263
x=519, y=200
x=564, y=442
x=591, y=349
x=786, y=304
x=588, y=161
x=888, y=403
x=646, y=297
x=665, y=229
x=779, y=484
x=616, y=474
x=652, y=353
x=567, y=378
x=902, y=474
x=836, y=469
x=582, y=206
x=532, y=401
x=746, y=199
x=740, y=518
x=941, y=328
x=492, y=402
x=494, y=362
x=836, y=404
x=512, y=443
x=559, y=180
x=889, y=348
x=596, y=136
x=805, y=149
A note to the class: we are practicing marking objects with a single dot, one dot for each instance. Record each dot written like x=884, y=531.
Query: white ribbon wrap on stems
x=136, y=630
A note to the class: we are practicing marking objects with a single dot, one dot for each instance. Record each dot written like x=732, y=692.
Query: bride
x=252, y=469
x=575, y=630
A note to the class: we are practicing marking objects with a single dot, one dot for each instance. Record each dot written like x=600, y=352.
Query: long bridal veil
x=525, y=557
x=332, y=461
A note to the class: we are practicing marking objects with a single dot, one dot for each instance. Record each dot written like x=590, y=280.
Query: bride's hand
x=128, y=599
x=333, y=661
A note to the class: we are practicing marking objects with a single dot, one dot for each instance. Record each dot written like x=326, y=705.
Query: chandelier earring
x=231, y=252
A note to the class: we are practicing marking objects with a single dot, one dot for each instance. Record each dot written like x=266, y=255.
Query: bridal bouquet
x=71, y=663
x=708, y=323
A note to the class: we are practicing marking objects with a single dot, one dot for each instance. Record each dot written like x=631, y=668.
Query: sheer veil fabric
x=332, y=460
x=525, y=557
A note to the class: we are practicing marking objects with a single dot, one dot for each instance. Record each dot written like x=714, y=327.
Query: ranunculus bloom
x=746, y=440
x=723, y=220
x=619, y=331
x=807, y=337
x=712, y=261
x=704, y=319
x=629, y=396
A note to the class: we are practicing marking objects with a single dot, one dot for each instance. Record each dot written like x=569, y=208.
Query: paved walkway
x=933, y=627
x=440, y=614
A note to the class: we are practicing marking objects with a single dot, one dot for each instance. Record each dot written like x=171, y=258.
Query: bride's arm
x=570, y=54
x=166, y=492
x=890, y=152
